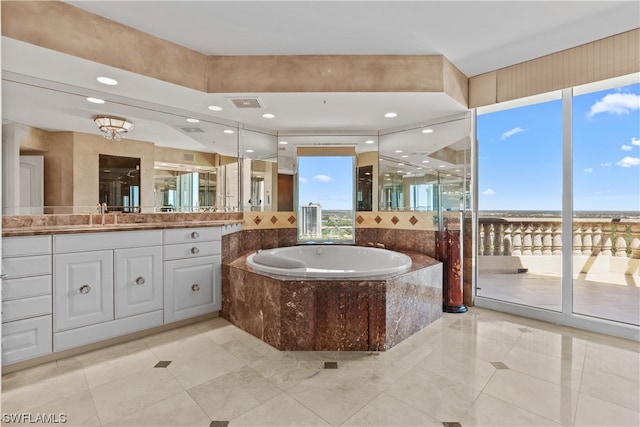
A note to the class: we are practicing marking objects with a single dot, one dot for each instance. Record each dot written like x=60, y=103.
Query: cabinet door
x=192, y=287
x=138, y=287
x=25, y=339
x=82, y=289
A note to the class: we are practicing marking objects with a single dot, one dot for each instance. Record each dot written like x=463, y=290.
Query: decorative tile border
x=392, y=220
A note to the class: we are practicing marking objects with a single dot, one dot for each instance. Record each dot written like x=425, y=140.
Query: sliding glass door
x=558, y=206
x=606, y=202
x=519, y=203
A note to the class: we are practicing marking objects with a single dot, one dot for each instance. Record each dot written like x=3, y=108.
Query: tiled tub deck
x=332, y=315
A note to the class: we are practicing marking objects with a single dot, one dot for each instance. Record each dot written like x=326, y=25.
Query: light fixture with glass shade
x=113, y=127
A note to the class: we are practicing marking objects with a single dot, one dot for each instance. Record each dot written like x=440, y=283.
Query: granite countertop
x=36, y=230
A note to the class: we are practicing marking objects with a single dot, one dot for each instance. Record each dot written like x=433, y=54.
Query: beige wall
x=58, y=172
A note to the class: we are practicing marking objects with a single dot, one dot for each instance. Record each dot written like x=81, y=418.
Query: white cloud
x=303, y=180
x=616, y=103
x=626, y=147
x=628, y=162
x=606, y=164
x=511, y=132
x=322, y=178
x=635, y=141
x=588, y=170
x=488, y=192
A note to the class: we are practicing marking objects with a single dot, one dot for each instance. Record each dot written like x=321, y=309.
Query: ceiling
x=476, y=36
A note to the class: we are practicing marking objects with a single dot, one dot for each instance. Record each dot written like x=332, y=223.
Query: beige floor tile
x=183, y=342
x=202, y=366
x=612, y=388
x=553, y=344
x=385, y=410
x=334, y=396
x=39, y=387
x=78, y=410
x=376, y=369
x=177, y=410
x=497, y=330
x=476, y=346
x=242, y=351
x=231, y=395
x=561, y=371
x=286, y=371
x=534, y=395
x=435, y=395
x=103, y=370
x=281, y=410
x=595, y=412
x=459, y=367
x=489, y=411
x=125, y=396
x=620, y=362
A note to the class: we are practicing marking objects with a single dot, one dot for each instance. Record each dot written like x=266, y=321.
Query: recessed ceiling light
x=249, y=151
x=398, y=151
x=391, y=115
x=214, y=108
x=419, y=168
x=283, y=142
x=367, y=173
x=442, y=166
x=107, y=81
x=404, y=155
x=370, y=142
x=190, y=120
x=228, y=131
x=427, y=131
x=268, y=115
x=96, y=100
x=400, y=164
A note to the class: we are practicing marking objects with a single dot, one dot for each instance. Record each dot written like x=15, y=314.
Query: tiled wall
x=410, y=231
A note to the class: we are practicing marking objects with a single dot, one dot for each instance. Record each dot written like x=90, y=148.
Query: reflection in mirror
x=119, y=183
x=259, y=153
x=54, y=121
x=426, y=167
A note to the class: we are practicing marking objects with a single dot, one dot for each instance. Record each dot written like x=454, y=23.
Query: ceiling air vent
x=246, y=102
x=192, y=130
x=189, y=157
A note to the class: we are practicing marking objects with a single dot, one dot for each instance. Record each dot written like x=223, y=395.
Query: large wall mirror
x=182, y=163
x=426, y=167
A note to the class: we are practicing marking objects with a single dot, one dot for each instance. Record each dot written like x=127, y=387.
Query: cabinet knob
x=194, y=250
x=195, y=235
x=85, y=289
x=195, y=288
x=140, y=281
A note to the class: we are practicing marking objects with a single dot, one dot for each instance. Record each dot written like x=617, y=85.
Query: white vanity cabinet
x=26, y=298
x=192, y=269
x=105, y=285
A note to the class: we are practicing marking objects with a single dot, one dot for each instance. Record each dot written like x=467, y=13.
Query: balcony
x=520, y=261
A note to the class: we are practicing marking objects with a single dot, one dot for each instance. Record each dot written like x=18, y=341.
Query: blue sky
x=520, y=154
x=326, y=180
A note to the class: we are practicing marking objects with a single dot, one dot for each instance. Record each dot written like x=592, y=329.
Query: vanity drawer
x=26, y=287
x=186, y=235
x=191, y=250
x=25, y=308
x=25, y=245
x=27, y=266
x=25, y=339
x=81, y=242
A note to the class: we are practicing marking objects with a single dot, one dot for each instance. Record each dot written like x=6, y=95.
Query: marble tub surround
x=344, y=315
